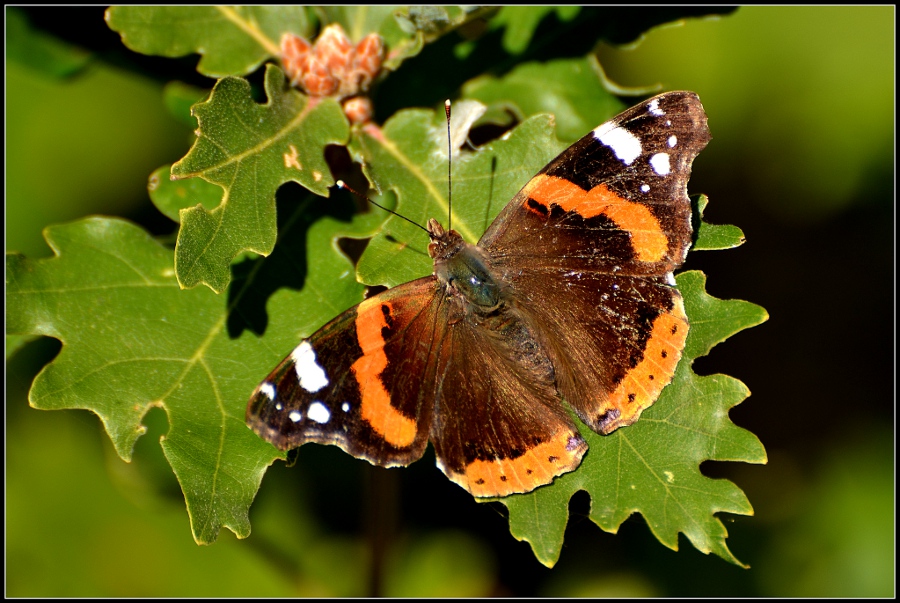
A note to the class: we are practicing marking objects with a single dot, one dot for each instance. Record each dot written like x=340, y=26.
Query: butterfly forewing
x=356, y=382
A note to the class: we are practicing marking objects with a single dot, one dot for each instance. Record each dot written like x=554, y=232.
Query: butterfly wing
x=499, y=427
x=589, y=246
x=338, y=387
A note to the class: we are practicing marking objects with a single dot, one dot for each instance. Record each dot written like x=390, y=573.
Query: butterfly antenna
x=449, y=166
x=343, y=185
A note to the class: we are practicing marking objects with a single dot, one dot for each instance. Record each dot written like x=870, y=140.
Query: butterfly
x=566, y=302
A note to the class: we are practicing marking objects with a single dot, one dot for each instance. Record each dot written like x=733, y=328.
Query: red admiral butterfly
x=569, y=295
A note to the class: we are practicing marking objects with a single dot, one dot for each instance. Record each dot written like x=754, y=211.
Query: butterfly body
x=566, y=302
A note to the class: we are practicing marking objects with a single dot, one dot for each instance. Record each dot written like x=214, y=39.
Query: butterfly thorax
x=464, y=270
x=479, y=298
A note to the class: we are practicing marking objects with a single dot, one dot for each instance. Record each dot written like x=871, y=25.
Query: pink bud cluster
x=334, y=67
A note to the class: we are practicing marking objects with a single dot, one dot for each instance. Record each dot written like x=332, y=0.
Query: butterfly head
x=444, y=243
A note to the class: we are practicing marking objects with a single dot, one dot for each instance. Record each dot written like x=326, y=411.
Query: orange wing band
x=538, y=466
x=648, y=239
x=396, y=429
x=642, y=385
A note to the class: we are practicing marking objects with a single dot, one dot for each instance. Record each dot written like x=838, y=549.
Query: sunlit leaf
x=249, y=150
x=573, y=90
x=713, y=236
x=408, y=158
x=133, y=340
x=232, y=40
x=414, y=26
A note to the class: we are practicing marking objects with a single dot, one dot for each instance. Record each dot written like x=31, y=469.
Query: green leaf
x=133, y=340
x=39, y=51
x=232, y=40
x=435, y=21
x=358, y=21
x=521, y=22
x=713, y=236
x=575, y=91
x=414, y=26
x=180, y=97
x=652, y=467
x=172, y=196
x=408, y=157
x=250, y=150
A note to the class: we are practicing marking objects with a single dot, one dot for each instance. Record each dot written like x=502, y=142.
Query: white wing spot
x=318, y=412
x=645, y=188
x=345, y=407
x=654, y=108
x=311, y=376
x=267, y=389
x=660, y=163
x=623, y=143
x=673, y=140
x=295, y=416
x=278, y=406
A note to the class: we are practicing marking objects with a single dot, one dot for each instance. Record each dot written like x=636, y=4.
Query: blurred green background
x=801, y=108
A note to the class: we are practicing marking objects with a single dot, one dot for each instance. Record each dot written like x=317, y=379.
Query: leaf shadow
x=256, y=279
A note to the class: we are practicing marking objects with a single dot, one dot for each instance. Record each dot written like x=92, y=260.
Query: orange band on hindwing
x=649, y=241
x=536, y=467
x=643, y=384
x=396, y=429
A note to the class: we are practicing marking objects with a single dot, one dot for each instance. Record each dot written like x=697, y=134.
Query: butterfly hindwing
x=499, y=427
